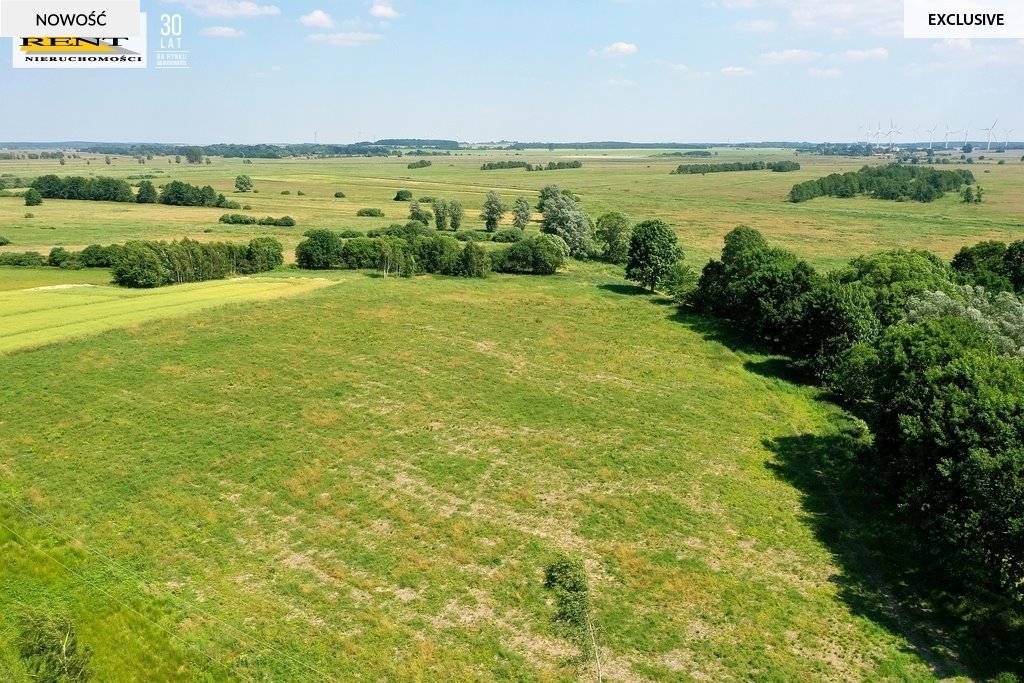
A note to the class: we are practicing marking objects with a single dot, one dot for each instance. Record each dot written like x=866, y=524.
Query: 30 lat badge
x=172, y=53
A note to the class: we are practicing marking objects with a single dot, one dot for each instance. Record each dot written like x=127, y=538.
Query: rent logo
x=81, y=53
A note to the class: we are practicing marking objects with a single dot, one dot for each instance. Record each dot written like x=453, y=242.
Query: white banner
x=963, y=19
x=61, y=18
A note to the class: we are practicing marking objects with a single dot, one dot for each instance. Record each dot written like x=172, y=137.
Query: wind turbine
x=931, y=135
x=949, y=132
x=917, y=135
x=990, y=130
x=1006, y=139
x=967, y=133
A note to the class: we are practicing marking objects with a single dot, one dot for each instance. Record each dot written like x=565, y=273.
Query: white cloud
x=737, y=72
x=865, y=55
x=620, y=83
x=230, y=8
x=317, y=19
x=825, y=73
x=791, y=56
x=346, y=39
x=757, y=26
x=880, y=17
x=619, y=49
x=383, y=10
x=222, y=32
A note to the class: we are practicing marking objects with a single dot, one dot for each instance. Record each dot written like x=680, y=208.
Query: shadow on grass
x=955, y=629
x=626, y=289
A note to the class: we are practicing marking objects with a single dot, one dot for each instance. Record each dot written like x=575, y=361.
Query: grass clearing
x=40, y=315
x=367, y=481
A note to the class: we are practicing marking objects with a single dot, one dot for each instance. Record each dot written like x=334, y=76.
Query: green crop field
x=337, y=476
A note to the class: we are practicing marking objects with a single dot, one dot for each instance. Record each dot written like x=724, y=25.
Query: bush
x=339, y=195
x=473, y=236
x=57, y=257
x=508, y=236
x=33, y=198
x=286, y=192
x=4, y=241
x=370, y=213
x=237, y=219
x=30, y=215
x=408, y=231
x=285, y=222
x=349, y=234
x=97, y=256
x=49, y=648
x=300, y=193
x=403, y=196
x=28, y=259
x=540, y=255
x=422, y=163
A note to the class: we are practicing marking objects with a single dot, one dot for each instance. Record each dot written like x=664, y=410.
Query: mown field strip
x=31, y=318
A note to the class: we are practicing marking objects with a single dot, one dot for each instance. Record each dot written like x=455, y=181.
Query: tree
x=968, y=148
x=546, y=193
x=177, y=159
x=474, y=262
x=147, y=193
x=403, y=196
x=392, y=258
x=652, y=253
x=194, y=155
x=564, y=217
x=441, y=214
x=33, y=198
x=243, y=183
x=521, y=213
x=419, y=214
x=456, y=214
x=493, y=211
x=320, y=250
x=613, y=230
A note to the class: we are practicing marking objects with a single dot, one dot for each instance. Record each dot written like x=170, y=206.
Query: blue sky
x=483, y=70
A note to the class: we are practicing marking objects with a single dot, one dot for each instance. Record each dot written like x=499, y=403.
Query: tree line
x=101, y=189
x=242, y=219
x=898, y=182
x=412, y=249
x=701, y=169
x=149, y=264
x=931, y=363
x=551, y=165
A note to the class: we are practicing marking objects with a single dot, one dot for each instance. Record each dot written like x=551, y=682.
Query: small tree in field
x=652, y=254
x=441, y=214
x=33, y=198
x=243, y=183
x=613, y=234
x=456, y=214
x=493, y=211
x=521, y=212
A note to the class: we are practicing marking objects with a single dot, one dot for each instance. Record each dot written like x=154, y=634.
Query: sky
x=528, y=70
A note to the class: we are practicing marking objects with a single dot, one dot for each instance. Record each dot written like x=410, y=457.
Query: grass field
x=701, y=208
x=335, y=476
x=366, y=481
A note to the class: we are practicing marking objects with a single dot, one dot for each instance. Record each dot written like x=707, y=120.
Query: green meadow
x=338, y=476
x=702, y=208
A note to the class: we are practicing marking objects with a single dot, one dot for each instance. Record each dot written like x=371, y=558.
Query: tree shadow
x=625, y=289
x=957, y=630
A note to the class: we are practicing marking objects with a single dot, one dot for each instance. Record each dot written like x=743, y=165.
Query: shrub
x=567, y=579
x=473, y=236
x=438, y=254
x=349, y=234
x=408, y=231
x=508, y=236
x=370, y=213
x=285, y=222
x=97, y=256
x=403, y=196
x=28, y=259
x=57, y=257
x=339, y=195
x=237, y=219
x=33, y=198
x=30, y=215
x=49, y=648
x=4, y=241
x=286, y=192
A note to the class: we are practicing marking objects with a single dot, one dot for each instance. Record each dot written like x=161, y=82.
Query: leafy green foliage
x=403, y=196
x=493, y=211
x=243, y=183
x=564, y=218
x=474, y=261
x=653, y=253
x=148, y=193
x=613, y=232
x=521, y=212
x=894, y=181
x=320, y=250
x=370, y=213
x=33, y=198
